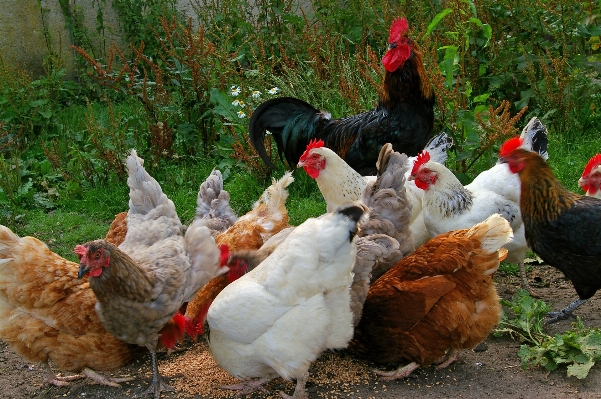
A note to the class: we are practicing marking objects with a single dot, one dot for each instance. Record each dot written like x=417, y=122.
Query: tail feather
x=535, y=138
x=148, y=206
x=437, y=147
x=390, y=209
x=494, y=232
x=213, y=205
x=274, y=116
x=276, y=194
x=145, y=193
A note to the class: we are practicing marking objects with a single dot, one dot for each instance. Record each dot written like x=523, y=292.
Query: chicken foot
x=447, y=359
x=53, y=379
x=566, y=312
x=249, y=386
x=401, y=372
x=157, y=385
x=102, y=380
x=299, y=391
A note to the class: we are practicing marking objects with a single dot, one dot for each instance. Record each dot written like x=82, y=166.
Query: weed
x=578, y=349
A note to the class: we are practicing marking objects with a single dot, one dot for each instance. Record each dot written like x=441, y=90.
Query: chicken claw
x=157, y=385
x=55, y=380
x=565, y=313
x=249, y=386
x=62, y=381
x=102, y=380
x=401, y=372
x=447, y=359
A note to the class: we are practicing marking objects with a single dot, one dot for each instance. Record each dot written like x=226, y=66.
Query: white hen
x=340, y=184
x=278, y=318
x=448, y=205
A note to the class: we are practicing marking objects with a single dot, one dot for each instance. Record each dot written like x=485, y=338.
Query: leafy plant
x=578, y=348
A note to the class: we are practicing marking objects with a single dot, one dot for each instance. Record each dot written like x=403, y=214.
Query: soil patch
x=493, y=371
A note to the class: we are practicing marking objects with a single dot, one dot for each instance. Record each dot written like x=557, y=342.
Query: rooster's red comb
x=312, y=144
x=224, y=255
x=397, y=29
x=510, y=145
x=422, y=158
x=80, y=250
x=592, y=164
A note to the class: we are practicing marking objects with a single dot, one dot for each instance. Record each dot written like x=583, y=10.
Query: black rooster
x=403, y=117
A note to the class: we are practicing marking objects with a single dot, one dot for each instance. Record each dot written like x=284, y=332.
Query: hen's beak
x=411, y=177
x=300, y=164
x=83, y=270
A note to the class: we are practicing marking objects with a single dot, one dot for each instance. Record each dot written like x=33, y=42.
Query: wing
x=244, y=311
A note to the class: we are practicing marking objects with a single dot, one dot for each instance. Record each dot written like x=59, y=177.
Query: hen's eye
x=97, y=255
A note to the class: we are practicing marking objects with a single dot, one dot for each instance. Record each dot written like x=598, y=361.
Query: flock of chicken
x=400, y=268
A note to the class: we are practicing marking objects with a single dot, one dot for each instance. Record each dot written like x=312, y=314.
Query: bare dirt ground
x=491, y=372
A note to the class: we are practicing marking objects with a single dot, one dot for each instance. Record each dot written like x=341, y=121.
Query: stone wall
x=22, y=24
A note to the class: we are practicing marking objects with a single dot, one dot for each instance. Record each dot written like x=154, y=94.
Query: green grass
x=87, y=217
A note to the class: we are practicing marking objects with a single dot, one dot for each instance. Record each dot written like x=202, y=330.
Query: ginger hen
x=47, y=314
x=436, y=301
x=141, y=284
x=561, y=227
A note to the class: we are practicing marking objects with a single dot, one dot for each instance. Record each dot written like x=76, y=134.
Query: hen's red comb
x=224, y=255
x=422, y=158
x=592, y=164
x=312, y=144
x=80, y=250
x=510, y=145
x=397, y=29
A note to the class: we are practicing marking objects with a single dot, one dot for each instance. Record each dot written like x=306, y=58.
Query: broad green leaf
x=449, y=63
x=37, y=103
x=436, y=20
x=580, y=370
x=481, y=98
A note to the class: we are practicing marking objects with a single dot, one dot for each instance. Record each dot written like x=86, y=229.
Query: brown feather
x=47, y=313
x=117, y=229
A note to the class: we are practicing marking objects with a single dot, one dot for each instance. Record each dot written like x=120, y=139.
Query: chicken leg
x=566, y=312
x=157, y=385
x=525, y=285
x=299, y=391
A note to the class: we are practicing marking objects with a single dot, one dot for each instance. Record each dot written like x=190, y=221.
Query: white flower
x=241, y=114
x=236, y=90
x=256, y=94
x=273, y=90
x=236, y=103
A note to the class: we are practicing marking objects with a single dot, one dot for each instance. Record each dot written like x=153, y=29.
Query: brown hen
x=46, y=313
x=436, y=301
